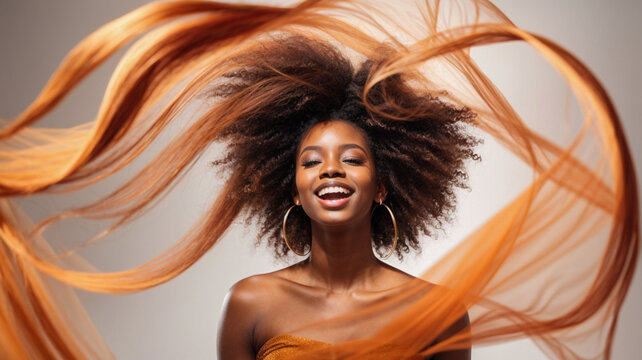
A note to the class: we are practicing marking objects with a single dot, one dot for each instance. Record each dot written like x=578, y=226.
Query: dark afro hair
x=289, y=83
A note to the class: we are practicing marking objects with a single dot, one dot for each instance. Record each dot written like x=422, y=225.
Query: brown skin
x=340, y=276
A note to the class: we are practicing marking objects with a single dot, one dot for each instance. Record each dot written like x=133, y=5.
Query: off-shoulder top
x=286, y=346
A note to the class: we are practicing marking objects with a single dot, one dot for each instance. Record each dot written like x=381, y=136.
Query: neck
x=341, y=258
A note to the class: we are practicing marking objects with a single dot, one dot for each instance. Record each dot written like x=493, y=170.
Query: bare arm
x=237, y=324
x=462, y=354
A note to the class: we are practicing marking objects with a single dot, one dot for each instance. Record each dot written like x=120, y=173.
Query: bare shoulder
x=252, y=294
x=245, y=304
x=257, y=291
x=398, y=278
x=463, y=322
x=247, y=291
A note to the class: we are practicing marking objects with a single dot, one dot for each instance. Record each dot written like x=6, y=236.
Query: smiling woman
x=337, y=185
x=346, y=125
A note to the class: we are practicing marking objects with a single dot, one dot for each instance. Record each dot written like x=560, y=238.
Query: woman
x=512, y=275
x=333, y=164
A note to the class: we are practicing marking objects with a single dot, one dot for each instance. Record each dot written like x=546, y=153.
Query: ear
x=295, y=196
x=382, y=191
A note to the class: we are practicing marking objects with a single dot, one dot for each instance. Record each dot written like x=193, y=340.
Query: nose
x=331, y=169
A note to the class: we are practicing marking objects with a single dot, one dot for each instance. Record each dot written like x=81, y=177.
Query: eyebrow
x=341, y=147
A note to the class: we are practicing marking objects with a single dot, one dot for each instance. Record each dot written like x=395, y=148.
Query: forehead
x=334, y=132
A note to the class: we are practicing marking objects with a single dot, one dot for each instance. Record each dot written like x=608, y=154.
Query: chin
x=336, y=218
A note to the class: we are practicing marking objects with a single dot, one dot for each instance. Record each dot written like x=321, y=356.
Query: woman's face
x=335, y=174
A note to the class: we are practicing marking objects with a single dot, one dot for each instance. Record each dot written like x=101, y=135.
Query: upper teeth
x=333, y=189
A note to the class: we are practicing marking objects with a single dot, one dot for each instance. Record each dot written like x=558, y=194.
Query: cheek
x=302, y=182
x=366, y=182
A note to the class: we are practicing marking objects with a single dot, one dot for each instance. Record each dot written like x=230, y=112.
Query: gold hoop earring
x=285, y=238
x=394, y=225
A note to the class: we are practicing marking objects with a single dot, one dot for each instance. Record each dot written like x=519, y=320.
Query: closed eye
x=310, y=163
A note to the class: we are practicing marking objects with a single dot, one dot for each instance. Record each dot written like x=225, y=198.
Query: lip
x=334, y=203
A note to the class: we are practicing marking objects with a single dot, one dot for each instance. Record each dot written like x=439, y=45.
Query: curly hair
x=292, y=82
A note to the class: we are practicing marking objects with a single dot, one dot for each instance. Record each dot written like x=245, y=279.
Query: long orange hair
x=578, y=210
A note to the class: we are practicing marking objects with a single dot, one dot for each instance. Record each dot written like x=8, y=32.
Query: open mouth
x=334, y=196
x=334, y=193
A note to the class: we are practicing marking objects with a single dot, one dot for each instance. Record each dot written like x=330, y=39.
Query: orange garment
x=287, y=346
